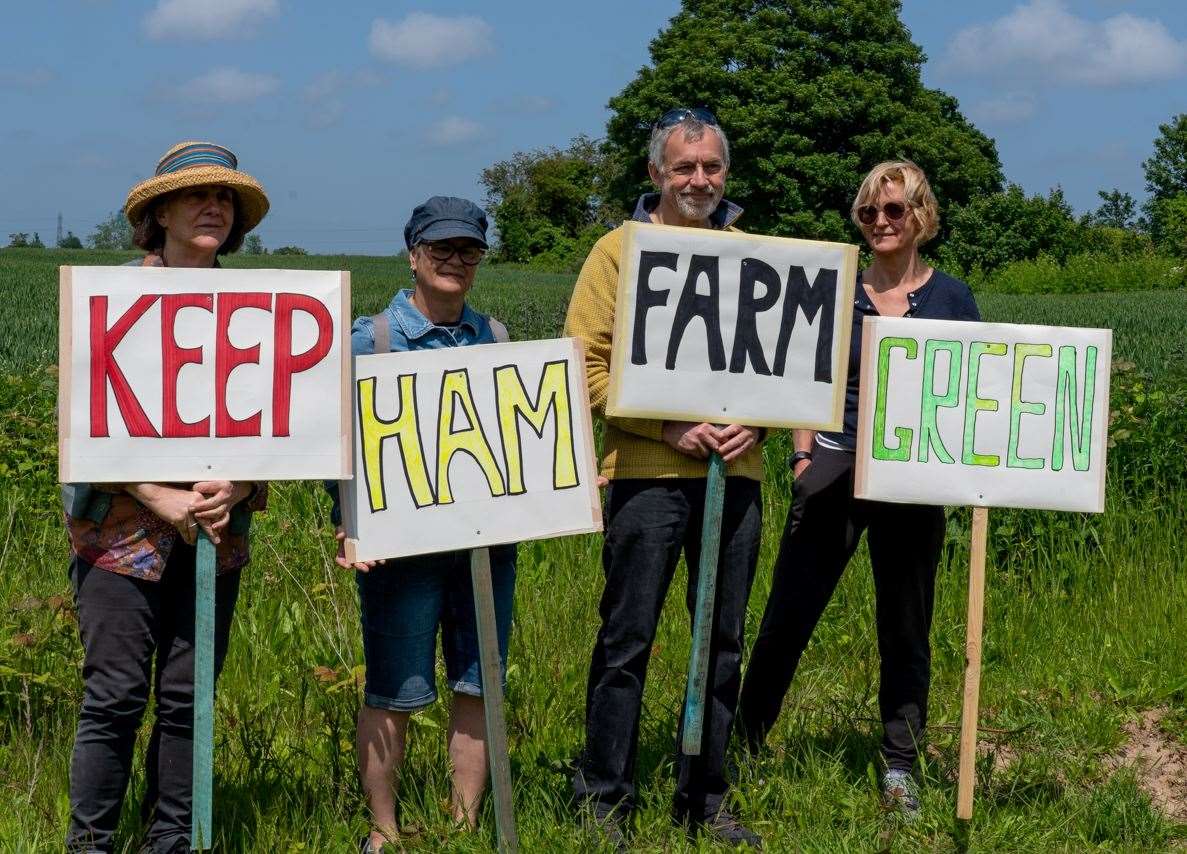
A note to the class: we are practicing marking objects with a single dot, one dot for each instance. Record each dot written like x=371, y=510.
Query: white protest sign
x=728, y=327
x=470, y=446
x=983, y=414
x=170, y=374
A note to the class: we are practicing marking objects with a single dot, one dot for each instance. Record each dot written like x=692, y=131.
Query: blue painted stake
x=201, y=831
x=702, y=629
x=492, y=701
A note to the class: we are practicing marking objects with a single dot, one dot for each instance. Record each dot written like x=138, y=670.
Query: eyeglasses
x=440, y=251
x=677, y=115
x=894, y=211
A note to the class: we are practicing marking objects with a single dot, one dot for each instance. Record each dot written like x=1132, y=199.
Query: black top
x=941, y=297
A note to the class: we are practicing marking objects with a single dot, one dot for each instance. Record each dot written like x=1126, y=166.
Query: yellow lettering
x=514, y=403
x=376, y=431
x=455, y=389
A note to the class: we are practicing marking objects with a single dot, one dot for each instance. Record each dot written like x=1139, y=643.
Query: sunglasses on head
x=894, y=211
x=440, y=251
x=677, y=115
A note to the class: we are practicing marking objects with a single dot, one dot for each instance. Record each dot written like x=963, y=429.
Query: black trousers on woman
x=138, y=636
x=822, y=531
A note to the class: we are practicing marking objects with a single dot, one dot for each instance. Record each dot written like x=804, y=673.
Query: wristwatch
x=800, y=455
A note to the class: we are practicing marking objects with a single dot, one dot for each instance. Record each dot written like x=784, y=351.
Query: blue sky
x=350, y=118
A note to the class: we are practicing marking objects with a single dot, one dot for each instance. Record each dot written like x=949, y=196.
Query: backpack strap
x=500, y=332
x=383, y=332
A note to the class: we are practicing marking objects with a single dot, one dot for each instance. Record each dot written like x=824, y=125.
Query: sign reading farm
x=185, y=374
x=983, y=414
x=470, y=446
x=729, y=327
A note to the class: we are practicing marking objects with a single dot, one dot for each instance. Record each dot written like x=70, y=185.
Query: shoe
x=725, y=828
x=901, y=793
x=365, y=846
x=609, y=823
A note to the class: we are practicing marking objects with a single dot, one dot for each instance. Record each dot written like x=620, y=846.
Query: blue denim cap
x=443, y=217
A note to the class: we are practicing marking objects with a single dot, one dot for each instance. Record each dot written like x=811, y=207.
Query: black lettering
x=647, y=299
x=817, y=299
x=693, y=305
x=746, y=343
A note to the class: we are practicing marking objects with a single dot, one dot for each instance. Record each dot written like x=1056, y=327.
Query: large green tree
x=1166, y=181
x=549, y=205
x=812, y=94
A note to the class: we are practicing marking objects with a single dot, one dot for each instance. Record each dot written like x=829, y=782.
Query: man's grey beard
x=690, y=209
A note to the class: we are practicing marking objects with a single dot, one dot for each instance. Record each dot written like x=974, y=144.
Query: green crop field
x=1085, y=657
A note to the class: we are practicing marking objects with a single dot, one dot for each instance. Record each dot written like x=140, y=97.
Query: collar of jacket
x=416, y=325
x=722, y=217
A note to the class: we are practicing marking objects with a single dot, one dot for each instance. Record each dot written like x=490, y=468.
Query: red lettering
x=227, y=357
x=285, y=363
x=172, y=360
x=105, y=369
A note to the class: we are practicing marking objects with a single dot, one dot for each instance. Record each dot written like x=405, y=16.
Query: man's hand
x=171, y=504
x=691, y=439
x=799, y=467
x=340, y=558
x=735, y=440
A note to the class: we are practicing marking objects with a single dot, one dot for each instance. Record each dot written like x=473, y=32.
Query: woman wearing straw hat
x=132, y=548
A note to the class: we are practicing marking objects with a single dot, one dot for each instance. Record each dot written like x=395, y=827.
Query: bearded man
x=654, y=508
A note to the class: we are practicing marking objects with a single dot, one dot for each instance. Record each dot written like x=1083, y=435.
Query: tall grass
x=1084, y=629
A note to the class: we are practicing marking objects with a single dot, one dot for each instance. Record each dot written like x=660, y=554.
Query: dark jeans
x=823, y=528
x=648, y=522
x=128, y=625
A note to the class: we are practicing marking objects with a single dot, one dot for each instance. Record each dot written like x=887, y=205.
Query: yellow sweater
x=632, y=446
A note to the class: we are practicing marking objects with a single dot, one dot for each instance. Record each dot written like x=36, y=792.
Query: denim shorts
x=403, y=602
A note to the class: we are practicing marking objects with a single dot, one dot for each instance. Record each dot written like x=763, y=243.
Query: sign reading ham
x=178, y=374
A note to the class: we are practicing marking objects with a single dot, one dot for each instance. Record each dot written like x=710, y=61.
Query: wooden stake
x=202, y=827
x=972, y=667
x=492, y=701
x=702, y=629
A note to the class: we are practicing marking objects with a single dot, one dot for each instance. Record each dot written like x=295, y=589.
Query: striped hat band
x=197, y=154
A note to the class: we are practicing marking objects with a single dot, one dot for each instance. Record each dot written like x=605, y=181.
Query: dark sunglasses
x=441, y=252
x=894, y=211
x=677, y=115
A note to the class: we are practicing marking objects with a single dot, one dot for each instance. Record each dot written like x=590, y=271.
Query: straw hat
x=191, y=164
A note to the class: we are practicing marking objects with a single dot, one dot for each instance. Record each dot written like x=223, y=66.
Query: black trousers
x=138, y=635
x=823, y=528
x=648, y=522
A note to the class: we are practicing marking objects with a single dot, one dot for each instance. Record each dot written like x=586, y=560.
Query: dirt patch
x=1158, y=759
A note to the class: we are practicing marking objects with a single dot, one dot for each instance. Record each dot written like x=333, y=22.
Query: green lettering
x=901, y=452
x=1065, y=399
x=1020, y=407
x=974, y=404
x=929, y=431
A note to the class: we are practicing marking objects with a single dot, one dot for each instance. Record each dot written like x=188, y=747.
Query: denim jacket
x=411, y=330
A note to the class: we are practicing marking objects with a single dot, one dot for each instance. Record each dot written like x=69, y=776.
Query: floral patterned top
x=132, y=540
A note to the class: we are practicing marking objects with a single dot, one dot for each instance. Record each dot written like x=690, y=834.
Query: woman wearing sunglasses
x=896, y=212
x=404, y=602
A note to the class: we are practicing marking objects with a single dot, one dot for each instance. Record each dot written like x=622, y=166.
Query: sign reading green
x=983, y=414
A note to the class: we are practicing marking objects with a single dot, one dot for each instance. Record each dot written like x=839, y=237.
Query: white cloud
x=453, y=130
x=222, y=86
x=29, y=78
x=532, y=104
x=423, y=40
x=207, y=19
x=1043, y=40
x=1008, y=109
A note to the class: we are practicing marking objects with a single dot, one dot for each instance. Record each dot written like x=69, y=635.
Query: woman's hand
x=212, y=510
x=171, y=503
x=691, y=439
x=152, y=260
x=340, y=558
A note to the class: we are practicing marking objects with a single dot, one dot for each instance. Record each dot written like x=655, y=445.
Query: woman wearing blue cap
x=403, y=602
